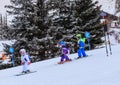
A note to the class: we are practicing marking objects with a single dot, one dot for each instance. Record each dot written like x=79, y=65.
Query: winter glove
x=29, y=63
x=68, y=52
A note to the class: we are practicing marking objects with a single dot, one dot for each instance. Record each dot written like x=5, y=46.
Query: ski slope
x=97, y=69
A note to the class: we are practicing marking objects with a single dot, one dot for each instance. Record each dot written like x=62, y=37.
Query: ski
x=25, y=73
x=82, y=57
x=65, y=62
x=107, y=40
x=106, y=44
x=106, y=34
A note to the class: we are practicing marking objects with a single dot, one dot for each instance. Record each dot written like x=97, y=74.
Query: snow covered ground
x=97, y=69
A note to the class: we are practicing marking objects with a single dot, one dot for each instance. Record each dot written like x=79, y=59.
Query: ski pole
x=109, y=43
x=88, y=43
x=106, y=43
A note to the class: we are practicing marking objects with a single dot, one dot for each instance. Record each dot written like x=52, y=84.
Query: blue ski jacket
x=81, y=44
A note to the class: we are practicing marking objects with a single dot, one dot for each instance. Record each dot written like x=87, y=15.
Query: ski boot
x=68, y=60
x=61, y=62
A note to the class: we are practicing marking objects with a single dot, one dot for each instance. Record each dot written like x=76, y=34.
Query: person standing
x=81, y=45
x=4, y=57
x=11, y=50
x=25, y=60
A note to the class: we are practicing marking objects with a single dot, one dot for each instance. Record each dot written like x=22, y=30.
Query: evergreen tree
x=22, y=23
x=23, y=12
x=3, y=27
x=87, y=17
x=40, y=25
x=72, y=17
x=62, y=20
x=30, y=26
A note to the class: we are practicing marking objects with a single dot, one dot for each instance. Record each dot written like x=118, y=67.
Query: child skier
x=81, y=44
x=25, y=60
x=65, y=51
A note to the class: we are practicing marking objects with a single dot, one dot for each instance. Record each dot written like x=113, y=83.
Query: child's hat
x=62, y=43
x=22, y=51
x=78, y=35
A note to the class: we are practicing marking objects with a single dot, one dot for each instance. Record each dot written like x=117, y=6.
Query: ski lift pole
x=88, y=39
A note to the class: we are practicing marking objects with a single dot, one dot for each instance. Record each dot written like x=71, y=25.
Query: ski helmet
x=22, y=51
x=62, y=43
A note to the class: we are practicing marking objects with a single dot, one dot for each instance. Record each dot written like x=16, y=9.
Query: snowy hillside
x=97, y=69
x=107, y=5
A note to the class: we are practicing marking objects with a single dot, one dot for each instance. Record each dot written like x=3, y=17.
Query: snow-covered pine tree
x=43, y=43
x=70, y=17
x=30, y=26
x=87, y=16
x=3, y=27
x=62, y=20
x=22, y=23
x=23, y=13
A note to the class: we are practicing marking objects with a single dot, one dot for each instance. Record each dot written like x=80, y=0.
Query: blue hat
x=62, y=43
